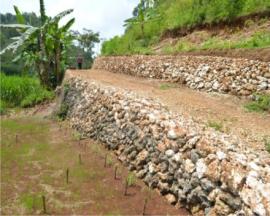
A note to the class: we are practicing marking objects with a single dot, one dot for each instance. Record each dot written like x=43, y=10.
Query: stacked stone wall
x=219, y=74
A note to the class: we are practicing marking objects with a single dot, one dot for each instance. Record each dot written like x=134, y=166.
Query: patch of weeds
x=218, y=126
x=76, y=135
x=260, y=104
x=131, y=179
x=62, y=112
x=31, y=201
x=166, y=86
x=266, y=140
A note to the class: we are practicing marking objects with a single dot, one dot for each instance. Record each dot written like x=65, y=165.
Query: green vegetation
x=44, y=48
x=258, y=40
x=266, y=140
x=31, y=201
x=261, y=104
x=166, y=86
x=131, y=179
x=62, y=112
x=22, y=91
x=218, y=126
x=142, y=33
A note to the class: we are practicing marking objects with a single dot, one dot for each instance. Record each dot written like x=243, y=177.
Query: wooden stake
x=44, y=204
x=144, y=206
x=126, y=187
x=115, y=172
x=105, y=161
x=67, y=175
x=80, y=159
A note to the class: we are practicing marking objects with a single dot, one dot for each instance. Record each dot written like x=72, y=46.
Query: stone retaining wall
x=226, y=75
x=206, y=171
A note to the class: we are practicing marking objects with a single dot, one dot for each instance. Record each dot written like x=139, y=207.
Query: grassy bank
x=22, y=92
x=186, y=14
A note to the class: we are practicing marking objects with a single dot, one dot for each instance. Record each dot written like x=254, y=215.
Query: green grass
x=22, y=91
x=166, y=86
x=185, y=14
x=218, y=126
x=31, y=201
x=261, y=104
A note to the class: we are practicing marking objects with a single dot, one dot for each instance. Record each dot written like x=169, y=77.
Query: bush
x=22, y=91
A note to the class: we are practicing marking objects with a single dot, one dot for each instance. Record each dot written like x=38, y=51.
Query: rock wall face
x=204, y=170
x=226, y=75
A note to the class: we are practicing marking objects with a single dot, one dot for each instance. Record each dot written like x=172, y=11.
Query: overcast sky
x=103, y=16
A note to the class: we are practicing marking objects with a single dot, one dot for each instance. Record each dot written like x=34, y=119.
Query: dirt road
x=224, y=112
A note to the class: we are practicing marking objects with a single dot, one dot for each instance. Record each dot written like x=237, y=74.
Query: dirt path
x=224, y=112
x=34, y=165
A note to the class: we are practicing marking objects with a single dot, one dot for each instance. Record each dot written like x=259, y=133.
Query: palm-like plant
x=42, y=46
x=145, y=12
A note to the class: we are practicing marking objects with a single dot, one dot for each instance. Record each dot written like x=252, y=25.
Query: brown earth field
x=36, y=153
x=225, y=111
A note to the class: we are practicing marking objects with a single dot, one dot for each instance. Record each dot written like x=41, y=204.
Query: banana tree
x=35, y=43
x=145, y=12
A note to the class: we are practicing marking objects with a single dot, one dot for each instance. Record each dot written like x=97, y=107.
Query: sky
x=103, y=16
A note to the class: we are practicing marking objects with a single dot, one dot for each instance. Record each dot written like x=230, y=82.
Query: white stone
x=177, y=157
x=171, y=134
x=169, y=153
x=221, y=155
x=201, y=168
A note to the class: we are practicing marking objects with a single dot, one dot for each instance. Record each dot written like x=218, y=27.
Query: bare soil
x=36, y=165
x=225, y=110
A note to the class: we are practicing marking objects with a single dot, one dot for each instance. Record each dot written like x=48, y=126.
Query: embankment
x=218, y=74
x=204, y=170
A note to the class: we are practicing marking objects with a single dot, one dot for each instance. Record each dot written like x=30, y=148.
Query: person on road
x=80, y=61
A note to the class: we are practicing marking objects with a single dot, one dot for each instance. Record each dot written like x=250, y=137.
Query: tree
x=42, y=46
x=86, y=41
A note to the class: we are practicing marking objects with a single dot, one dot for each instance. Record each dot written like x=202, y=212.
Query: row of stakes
x=80, y=162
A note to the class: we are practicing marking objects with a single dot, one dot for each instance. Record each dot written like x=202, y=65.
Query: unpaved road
x=225, y=110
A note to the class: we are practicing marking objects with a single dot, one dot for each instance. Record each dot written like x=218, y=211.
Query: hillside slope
x=186, y=26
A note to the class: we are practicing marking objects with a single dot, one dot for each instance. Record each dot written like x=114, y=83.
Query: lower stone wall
x=219, y=74
x=206, y=171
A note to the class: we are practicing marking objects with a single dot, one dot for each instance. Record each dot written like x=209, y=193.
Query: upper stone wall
x=226, y=75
